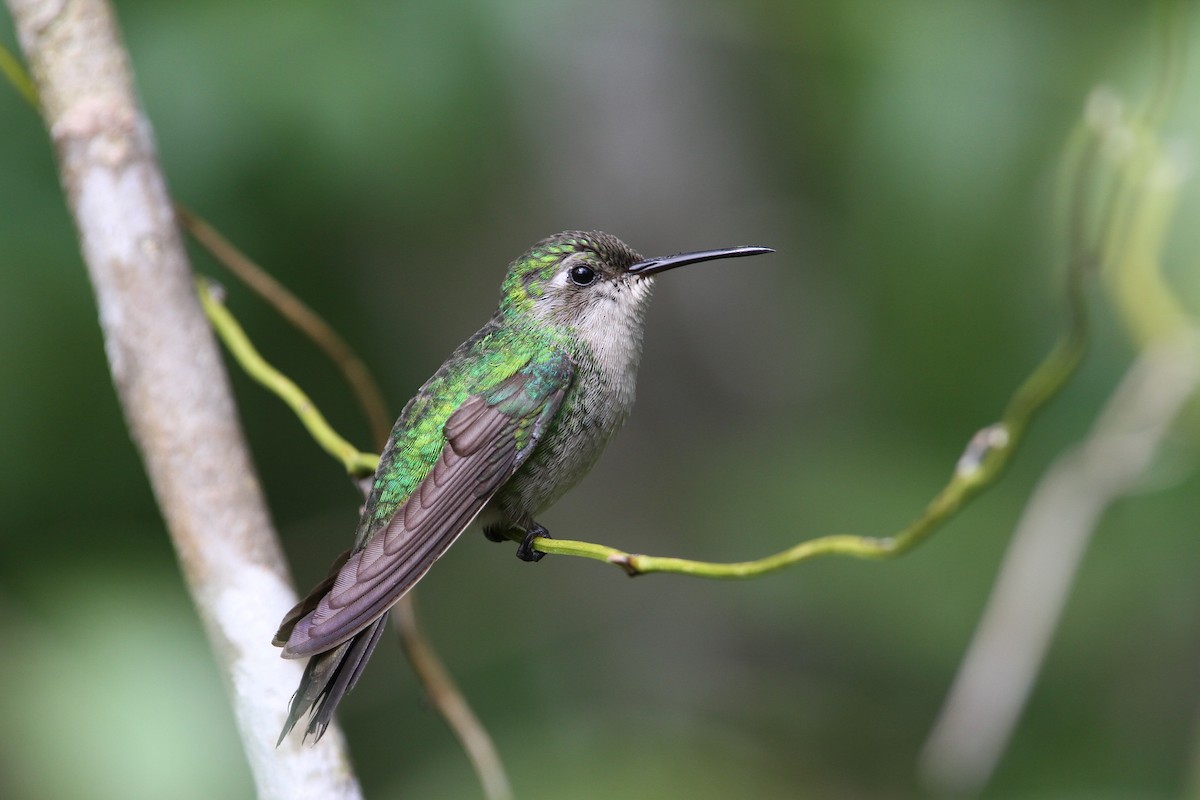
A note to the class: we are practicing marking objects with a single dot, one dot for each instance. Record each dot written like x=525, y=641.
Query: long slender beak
x=663, y=263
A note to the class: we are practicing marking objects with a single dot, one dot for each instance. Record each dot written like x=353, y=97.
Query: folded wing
x=487, y=439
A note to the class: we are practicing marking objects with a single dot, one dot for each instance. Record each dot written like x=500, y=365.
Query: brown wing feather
x=309, y=603
x=480, y=454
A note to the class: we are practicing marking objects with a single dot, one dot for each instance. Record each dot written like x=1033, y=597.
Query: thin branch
x=16, y=75
x=1004, y=658
x=1136, y=205
x=168, y=375
x=355, y=462
x=365, y=389
x=450, y=702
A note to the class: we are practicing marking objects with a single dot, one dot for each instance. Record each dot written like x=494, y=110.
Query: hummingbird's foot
x=525, y=550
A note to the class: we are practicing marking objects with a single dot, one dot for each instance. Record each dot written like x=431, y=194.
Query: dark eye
x=582, y=275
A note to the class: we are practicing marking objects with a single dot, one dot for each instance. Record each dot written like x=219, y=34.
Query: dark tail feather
x=328, y=677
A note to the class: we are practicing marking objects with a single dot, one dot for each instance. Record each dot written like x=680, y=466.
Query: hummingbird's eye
x=582, y=275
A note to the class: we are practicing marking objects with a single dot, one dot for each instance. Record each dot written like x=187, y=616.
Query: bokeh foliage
x=386, y=161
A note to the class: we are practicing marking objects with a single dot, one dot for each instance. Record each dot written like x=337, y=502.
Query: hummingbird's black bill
x=653, y=265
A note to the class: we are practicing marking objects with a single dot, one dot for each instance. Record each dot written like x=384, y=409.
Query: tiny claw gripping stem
x=525, y=550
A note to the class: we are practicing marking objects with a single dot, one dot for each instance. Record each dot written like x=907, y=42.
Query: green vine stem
x=354, y=371
x=10, y=67
x=356, y=463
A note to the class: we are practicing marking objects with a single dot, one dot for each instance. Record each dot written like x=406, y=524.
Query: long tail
x=328, y=677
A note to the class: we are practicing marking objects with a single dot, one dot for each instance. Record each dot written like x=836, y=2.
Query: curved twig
x=366, y=391
x=356, y=463
x=1136, y=205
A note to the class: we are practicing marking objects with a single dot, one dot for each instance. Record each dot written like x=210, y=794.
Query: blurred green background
x=387, y=160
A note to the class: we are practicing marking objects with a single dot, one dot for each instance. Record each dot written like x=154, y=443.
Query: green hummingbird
x=514, y=418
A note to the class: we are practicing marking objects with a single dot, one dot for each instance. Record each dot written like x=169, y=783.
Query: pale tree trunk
x=171, y=383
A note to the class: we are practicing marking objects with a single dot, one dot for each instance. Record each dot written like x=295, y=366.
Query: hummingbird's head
x=567, y=278
x=591, y=282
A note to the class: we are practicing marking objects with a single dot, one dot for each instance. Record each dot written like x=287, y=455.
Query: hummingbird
x=515, y=417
